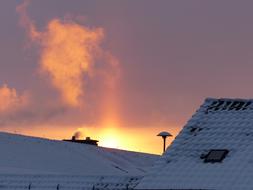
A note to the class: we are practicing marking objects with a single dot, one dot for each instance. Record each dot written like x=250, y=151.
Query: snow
x=70, y=182
x=30, y=155
x=218, y=124
x=45, y=163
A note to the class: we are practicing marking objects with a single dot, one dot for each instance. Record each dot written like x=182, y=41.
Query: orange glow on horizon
x=133, y=139
x=109, y=137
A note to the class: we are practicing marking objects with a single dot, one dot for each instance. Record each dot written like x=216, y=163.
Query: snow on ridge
x=31, y=155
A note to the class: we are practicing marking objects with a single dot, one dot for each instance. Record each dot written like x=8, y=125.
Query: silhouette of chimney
x=87, y=140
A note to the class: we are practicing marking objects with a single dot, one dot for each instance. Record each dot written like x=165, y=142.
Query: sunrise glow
x=138, y=139
x=110, y=137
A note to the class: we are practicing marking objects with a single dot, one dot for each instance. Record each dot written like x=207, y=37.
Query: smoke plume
x=78, y=135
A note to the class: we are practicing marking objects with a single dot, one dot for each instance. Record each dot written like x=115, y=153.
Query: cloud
x=25, y=21
x=68, y=54
x=78, y=74
x=11, y=101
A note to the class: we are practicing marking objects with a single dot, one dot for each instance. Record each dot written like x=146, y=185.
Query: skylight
x=216, y=155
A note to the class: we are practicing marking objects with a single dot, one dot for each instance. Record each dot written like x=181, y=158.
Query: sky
x=119, y=71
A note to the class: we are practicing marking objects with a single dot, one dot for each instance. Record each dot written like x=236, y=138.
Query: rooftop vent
x=215, y=155
x=164, y=135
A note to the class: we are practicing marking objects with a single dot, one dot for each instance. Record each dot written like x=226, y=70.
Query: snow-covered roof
x=30, y=155
x=213, y=151
x=69, y=182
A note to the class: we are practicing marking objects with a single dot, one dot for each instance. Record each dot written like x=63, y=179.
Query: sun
x=110, y=143
x=110, y=138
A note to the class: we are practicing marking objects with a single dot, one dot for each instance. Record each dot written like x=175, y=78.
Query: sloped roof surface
x=66, y=182
x=219, y=124
x=31, y=155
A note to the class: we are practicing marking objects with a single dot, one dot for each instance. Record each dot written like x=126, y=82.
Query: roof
x=214, y=150
x=49, y=182
x=31, y=155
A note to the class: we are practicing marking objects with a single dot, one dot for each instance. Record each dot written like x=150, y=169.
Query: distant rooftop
x=22, y=155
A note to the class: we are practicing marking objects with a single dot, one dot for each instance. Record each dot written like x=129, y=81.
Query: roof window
x=216, y=155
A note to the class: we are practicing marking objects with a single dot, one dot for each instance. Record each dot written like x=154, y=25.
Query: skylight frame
x=212, y=156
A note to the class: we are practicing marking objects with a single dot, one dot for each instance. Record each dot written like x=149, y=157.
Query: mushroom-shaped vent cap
x=164, y=134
